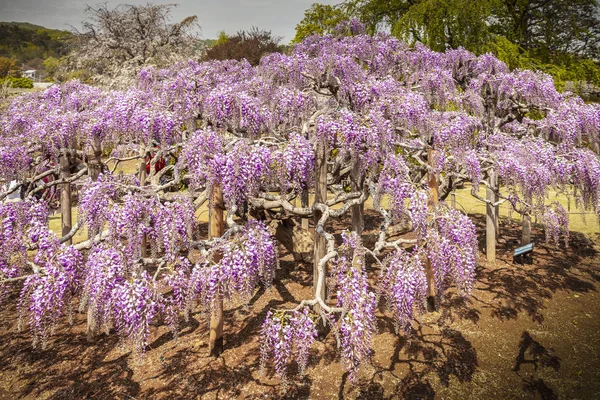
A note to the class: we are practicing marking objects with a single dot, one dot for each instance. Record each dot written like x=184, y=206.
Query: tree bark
x=298, y=241
x=304, y=203
x=358, y=219
x=432, y=203
x=320, y=197
x=65, y=196
x=497, y=215
x=526, y=233
x=216, y=229
x=142, y=178
x=142, y=172
x=491, y=221
x=94, y=170
x=95, y=159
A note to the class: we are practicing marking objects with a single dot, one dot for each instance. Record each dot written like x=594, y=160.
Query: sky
x=278, y=16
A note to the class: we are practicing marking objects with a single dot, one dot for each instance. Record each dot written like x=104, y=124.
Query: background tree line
x=560, y=37
x=27, y=46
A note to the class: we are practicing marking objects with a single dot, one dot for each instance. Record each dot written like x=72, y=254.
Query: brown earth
x=527, y=332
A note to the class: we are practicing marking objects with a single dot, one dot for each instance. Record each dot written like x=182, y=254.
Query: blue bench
x=523, y=254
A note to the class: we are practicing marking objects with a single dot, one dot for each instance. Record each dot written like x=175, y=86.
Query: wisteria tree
x=340, y=120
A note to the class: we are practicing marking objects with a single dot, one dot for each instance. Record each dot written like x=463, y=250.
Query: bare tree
x=115, y=43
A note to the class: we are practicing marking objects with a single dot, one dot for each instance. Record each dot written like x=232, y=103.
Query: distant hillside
x=30, y=44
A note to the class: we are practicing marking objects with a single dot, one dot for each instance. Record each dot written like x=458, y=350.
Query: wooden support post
x=358, y=220
x=526, y=233
x=95, y=159
x=320, y=197
x=497, y=209
x=304, y=203
x=142, y=172
x=432, y=203
x=94, y=170
x=490, y=221
x=142, y=178
x=497, y=216
x=65, y=196
x=216, y=229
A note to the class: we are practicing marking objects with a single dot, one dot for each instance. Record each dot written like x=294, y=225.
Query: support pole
x=95, y=159
x=358, y=210
x=526, y=233
x=432, y=203
x=142, y=178
x=216, y=229
x=497, y=209
x=304, y=203
x=490, y=221
x=65, y=196
x=320, y=197
x=94, y=169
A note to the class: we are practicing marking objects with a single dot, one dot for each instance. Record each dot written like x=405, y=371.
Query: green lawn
x=579, y=219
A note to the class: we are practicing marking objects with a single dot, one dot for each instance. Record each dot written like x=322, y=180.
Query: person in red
x=160, y=163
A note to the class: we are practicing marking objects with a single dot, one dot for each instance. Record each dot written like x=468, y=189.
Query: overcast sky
x=278, y=16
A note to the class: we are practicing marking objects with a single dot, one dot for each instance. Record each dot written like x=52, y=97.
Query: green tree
x=25, y=42
x=51, y=65
x=319, y=19
x=560, y=37
x=442, y=24
x=550, y=29
x=378, y=14
x=222, y=38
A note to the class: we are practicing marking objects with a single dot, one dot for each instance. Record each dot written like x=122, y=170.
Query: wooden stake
x=304, y=203
x=216, y=229
x=95, y=159
x=94, y=169
x=490, y=222
x=142, y=178
x=320, y=197
x=497, y=209
x=432, y=203
x=65, y=196
x=526, y=233
x=358, y=220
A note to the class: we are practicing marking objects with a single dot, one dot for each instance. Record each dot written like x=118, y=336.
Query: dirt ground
x=526, y=332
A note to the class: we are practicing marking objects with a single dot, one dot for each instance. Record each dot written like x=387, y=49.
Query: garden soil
x=527, y=332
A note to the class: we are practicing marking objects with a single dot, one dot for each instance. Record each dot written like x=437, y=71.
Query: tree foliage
x=25, y=42
x=559, y=37
x=319, y=19
x=550, y=29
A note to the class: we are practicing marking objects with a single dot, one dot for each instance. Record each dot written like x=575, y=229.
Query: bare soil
x=527, y=332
